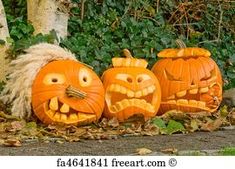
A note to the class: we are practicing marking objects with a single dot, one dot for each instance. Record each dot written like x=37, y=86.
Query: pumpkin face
x=67, y=92
x=130, y=89
x=190, y=80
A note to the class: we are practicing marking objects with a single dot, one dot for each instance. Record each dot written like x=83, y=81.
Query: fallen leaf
x=170, y=150
x=143, y=151
x=173, y=127
x=194, y=125
x=212, y=125
x=1, y=141
x=159, y=123
x=12, y=143
x=113, y=122
x=59, y=141
x=224, y=111
x=232, y=117
x=16, y=126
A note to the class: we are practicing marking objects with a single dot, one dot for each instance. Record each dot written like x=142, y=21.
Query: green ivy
x=143, y=26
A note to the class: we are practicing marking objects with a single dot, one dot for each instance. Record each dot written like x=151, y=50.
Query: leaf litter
x=14, y=131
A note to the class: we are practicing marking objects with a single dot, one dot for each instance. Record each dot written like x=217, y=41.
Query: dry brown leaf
x=232, y=118
x=12, y=142
x=143, y=151
x=113, y=122
x=16, y=126
x=212, y=125
x=1, y=141
x=170, y=150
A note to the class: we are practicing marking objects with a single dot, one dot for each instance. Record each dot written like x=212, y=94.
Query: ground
x=197, y=141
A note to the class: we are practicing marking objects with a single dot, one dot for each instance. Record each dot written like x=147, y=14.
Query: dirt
x=128, y=145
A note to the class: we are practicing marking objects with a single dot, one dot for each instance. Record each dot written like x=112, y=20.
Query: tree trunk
x=4, y=33
x=46, y=15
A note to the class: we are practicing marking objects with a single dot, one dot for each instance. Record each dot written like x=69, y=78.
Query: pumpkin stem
x=74, y=92
x=180, y=43
x=127, y=53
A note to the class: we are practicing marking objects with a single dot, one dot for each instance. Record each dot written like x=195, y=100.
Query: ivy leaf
x=159, y=123
x=173, y=127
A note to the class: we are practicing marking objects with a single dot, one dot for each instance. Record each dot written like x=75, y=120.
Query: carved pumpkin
x=190, y=80
x=130, y=89
x=66, y=91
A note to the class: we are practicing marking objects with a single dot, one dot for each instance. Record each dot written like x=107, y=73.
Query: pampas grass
x=22, y=72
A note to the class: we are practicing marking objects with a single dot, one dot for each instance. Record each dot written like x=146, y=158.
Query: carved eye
x=124, y=77
x=171, y=77
x=85, y=78
x=212, y=74
x=54, y=78
x=142, y=77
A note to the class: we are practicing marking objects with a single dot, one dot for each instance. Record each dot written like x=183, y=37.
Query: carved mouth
x=62, y=112
x=119, y=98
x=205, y=98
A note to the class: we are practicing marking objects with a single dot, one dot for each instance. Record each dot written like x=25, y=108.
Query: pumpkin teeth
x=73, y=117
x=204, y=90
x=201, y=104
x=50, y=113
x=138, y=94
x=63, y=117
x=151, y=89
x=171, y=102
x=182, y=101
x=121, y=89
x=144, y=92
x=171, y=97
x=181, y=93
x=117, y=88
x=57, y=116
x=140, y=103
x=130, y=93
x=54, y=104
x=191, y=103
x=82, y=116
x=65, y=108
x=134, y=100
x=193, y=91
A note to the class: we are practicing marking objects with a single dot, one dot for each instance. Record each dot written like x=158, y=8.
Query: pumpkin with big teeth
x=130, y=89
x=190, y=80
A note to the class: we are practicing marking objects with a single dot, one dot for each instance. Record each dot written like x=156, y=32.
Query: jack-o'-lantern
x=190, y=80
x=68, y=92
x=130, y=89
x=49, y=81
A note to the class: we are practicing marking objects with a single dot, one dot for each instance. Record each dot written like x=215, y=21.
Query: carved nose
x=75, y=92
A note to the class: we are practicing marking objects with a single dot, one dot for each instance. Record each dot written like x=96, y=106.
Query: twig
x=82, y=9
x=158, y=5
x=208, y=41
x=220, y=21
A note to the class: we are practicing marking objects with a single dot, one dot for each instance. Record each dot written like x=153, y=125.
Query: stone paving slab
x=127, y=145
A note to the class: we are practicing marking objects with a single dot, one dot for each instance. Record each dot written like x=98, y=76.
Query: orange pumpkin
x=130, y=89
x=190, y=80
x=66, y=91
